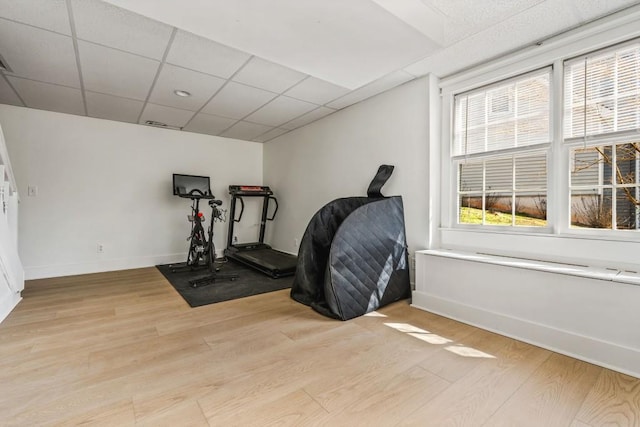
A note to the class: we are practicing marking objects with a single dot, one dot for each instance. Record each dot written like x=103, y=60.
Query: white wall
x=339, y=155
x=590, y=319
x=108, y=182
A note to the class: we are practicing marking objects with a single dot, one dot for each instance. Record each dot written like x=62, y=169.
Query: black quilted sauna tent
x=353, y=255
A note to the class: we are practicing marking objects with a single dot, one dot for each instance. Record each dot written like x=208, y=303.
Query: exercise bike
x=202, y=251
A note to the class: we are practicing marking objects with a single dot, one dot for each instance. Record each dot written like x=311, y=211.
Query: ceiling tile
x=167, y=115
x=311, y=116
x=267, y=75
x=200, y=86
x=115, y=72
x=281, y=110
x=49, y=14
x=236, y=100
x=548, y=17
x=385, y=83
x=207, y=56
x=245, y=130
x=466, y=18
x=103, y=23
x=30, y=51
x=112, y=107
x=348, y=43
x=273, y=133
x=45, y=96
x=591, y=9
x=7, y=94
x=316, y=91
x=211, y=125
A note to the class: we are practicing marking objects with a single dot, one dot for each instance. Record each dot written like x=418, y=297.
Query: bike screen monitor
x=191, y=184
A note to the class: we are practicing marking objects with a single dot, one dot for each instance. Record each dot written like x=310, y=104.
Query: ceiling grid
x=253, y=70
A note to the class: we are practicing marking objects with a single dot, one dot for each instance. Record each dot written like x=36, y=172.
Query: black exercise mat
x=249, y=282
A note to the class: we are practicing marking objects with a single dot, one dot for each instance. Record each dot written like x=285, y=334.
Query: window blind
x=602, y=92
x=508, y=114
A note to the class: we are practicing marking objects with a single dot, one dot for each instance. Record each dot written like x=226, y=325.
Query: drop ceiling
x=254, y=69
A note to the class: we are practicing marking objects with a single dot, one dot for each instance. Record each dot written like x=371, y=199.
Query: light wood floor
x=123, y=348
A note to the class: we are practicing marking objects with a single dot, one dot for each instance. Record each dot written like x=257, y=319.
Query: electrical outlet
x=235, y=239
x=99, y=248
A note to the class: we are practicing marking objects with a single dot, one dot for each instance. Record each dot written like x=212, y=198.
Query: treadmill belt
x=270, y=261
x=269, y=258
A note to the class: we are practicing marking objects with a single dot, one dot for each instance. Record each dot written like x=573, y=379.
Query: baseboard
x=609, y=355
x=46, y=271
x=8, y=304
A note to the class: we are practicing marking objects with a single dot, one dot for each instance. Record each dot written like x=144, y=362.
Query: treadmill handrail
x=241, y=209
x=276, y=210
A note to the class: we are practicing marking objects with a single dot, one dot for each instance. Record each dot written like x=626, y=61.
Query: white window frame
x=533, y=149
x=558, y=242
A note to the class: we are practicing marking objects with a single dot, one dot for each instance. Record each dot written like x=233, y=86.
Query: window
x=602, y=121
x=540, y=153
x=503, y=138
x=502, y=135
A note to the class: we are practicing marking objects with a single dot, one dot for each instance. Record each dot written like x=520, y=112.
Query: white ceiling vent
x=161, y=125
x=4, y=66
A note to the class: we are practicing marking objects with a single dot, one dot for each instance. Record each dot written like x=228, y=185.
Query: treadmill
x=257, y=255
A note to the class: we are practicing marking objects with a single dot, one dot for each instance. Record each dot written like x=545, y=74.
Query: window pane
x=501, y=119
x=476, y=114
x=498, y=209
x=627, y=163
x=533, y=110
x=591, y=208
x=531, y=172
x=511, y=114
x=470, y=174
x=470, y=209
x=629, y=112
x=627, y=209
x=528, y=206
x=587, y=166
x=574, y=99
x=599, y=172
x=501, y=103
x=499, y=174
x=600, y=93
x=476, y=140
x=531, y=210
x=501, y=134
x=460, y=122
x=628, y=88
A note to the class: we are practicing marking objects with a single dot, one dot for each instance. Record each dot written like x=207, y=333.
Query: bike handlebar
x=196, y=194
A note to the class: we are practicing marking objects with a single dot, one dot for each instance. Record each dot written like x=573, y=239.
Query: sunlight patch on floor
x=426, y=336
x=375, y=314
x=464, y=351
x=418, y=333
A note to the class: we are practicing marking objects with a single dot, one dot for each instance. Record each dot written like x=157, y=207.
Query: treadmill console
x=250, y=190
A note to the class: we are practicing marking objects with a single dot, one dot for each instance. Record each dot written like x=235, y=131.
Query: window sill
x=600, y=273
x=583, y=250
